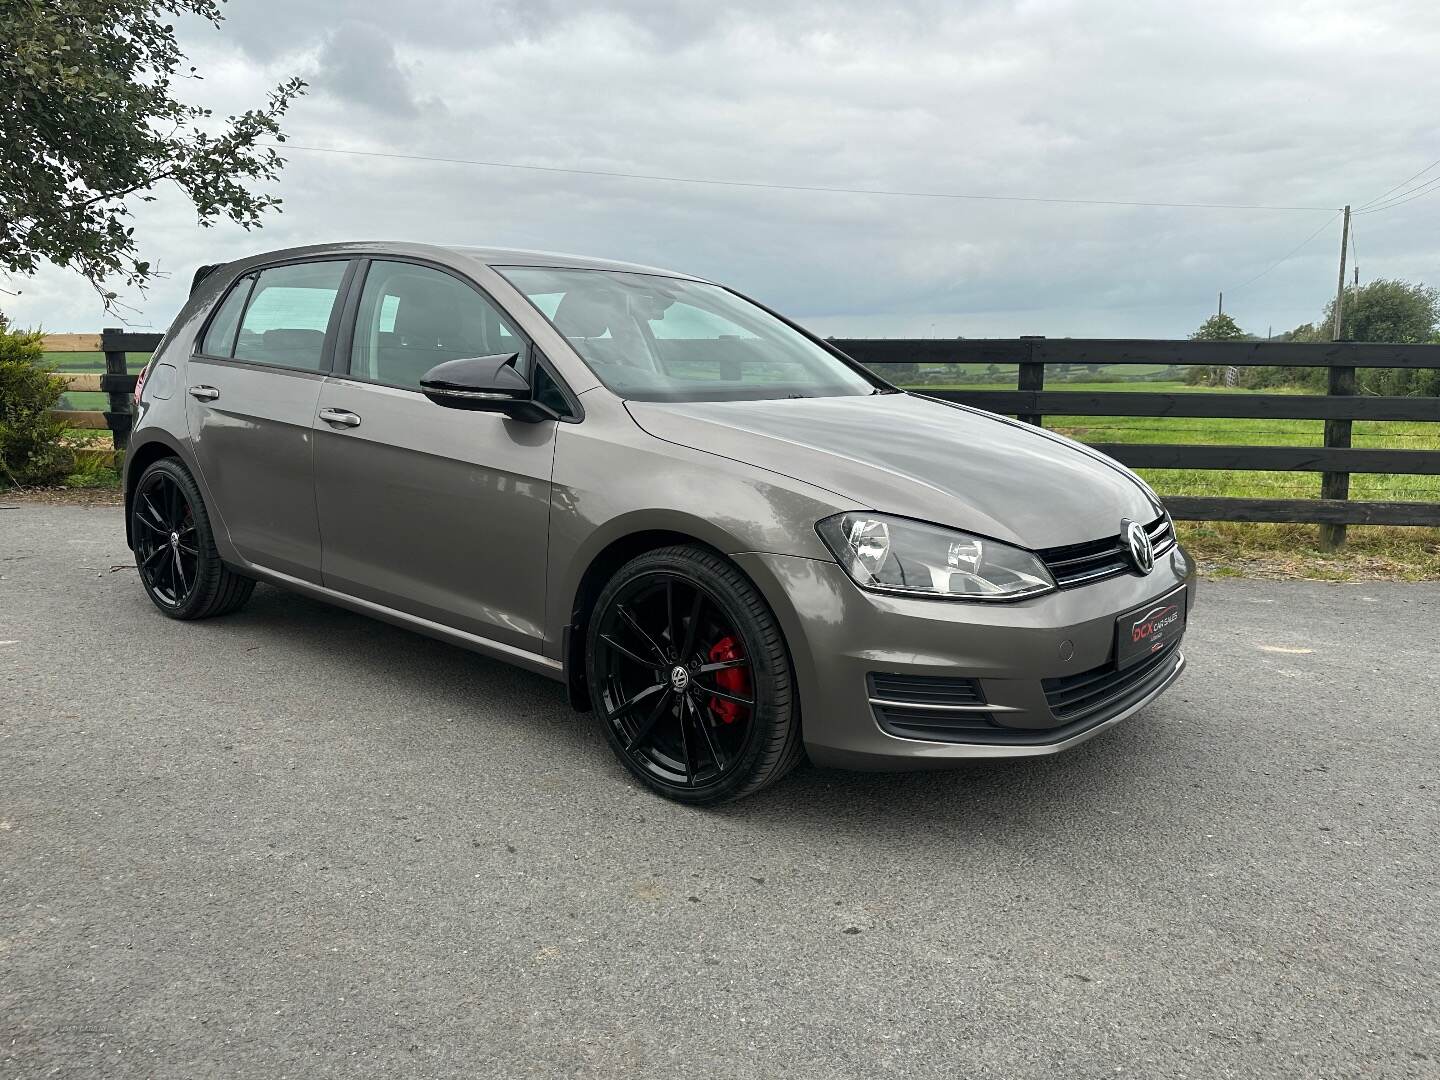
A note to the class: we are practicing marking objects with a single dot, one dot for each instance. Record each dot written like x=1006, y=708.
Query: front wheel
x=689, y=671
x=175, y=547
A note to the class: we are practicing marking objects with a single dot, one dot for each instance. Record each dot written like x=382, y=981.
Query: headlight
x=893, y=554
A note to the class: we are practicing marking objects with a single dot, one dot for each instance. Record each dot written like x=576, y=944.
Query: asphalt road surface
x=299, y=843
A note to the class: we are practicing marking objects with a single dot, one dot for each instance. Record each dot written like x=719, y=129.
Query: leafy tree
x=1219, y=327
x=91, y=120
x=30, y=448
x=1306, y=332
x=1396, y=312
x=1393, y=312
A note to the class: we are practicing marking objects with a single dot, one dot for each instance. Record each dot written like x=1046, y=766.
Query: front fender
x=613, y=481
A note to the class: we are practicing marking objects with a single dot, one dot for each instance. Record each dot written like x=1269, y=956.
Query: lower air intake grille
x=1104, y=691
x=935, y=726
x=926, y=689
x=938, y=708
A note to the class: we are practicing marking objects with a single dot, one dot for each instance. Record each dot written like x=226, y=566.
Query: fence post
x=1032, y=377
x=1336, y=485
x=120, y=415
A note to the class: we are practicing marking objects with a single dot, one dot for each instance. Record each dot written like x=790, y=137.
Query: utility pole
x=1340, y=288
x=1336, y=485
x=1220, y=307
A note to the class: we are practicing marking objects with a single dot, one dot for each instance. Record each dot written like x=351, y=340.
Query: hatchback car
x=732, y=542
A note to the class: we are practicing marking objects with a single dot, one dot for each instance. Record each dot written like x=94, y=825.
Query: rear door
x=435, y=512
x=252, y=387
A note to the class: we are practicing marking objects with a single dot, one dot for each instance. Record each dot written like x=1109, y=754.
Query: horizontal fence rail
x=1108, y=351
x=1030, y=401
x=1338, y=408
x=116, y=381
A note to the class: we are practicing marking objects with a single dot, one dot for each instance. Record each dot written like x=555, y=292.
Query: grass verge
x=1371, y=552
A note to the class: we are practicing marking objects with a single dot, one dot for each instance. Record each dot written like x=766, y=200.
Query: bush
x=31, y=451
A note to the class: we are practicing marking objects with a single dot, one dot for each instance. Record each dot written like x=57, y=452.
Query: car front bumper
x=892, y=682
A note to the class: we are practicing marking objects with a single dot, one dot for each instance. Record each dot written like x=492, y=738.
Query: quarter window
x=288, y=313
x=220, y=338
x=414, y=317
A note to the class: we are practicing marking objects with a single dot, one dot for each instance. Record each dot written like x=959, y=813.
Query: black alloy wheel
x=175, y=547
x=688, y=669
x=165, y=541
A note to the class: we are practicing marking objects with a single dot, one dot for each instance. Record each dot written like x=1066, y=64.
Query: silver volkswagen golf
x=733, y=543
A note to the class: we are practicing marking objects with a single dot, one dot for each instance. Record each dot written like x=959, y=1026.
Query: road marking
x=1284, y=649
x=9, y=643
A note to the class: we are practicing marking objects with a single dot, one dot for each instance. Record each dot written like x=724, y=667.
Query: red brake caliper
x=731, y=680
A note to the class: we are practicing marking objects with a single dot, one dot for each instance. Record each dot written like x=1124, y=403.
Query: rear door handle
x=340, y=417
x=204, y=393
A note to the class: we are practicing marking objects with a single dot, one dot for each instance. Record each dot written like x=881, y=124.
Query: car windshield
x=656, y=338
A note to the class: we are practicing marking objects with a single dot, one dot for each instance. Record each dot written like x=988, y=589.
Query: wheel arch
x=137, y=460
x=613, y=551
x=160, y=444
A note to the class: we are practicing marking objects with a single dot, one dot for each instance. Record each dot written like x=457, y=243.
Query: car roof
x=489, y=256
x=521, y=257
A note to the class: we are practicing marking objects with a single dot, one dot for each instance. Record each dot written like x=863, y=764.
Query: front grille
x=940, y=708
x=1096, y=560
x=1105, y=691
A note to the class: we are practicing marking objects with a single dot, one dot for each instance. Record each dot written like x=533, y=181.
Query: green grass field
x=1227, y=432
x=85, y=363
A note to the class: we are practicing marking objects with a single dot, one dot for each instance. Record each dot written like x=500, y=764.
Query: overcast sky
x=1277, y=103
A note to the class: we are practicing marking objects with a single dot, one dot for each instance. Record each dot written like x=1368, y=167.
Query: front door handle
x=204, y=393
x=340, y=417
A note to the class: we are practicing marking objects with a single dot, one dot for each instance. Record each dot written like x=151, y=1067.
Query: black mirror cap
x=488, y=377
x=483, y=384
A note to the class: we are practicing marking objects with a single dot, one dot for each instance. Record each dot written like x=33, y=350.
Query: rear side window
x=287, y=314
x=220, y=338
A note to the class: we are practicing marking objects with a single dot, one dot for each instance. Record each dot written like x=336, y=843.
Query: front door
x=251, y=394
x=435, y=512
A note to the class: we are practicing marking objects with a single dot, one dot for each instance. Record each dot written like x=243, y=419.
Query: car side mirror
x=483, y=384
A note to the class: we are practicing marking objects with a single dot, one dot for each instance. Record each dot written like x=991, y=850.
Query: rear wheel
x=175, y=547
x=688, y=669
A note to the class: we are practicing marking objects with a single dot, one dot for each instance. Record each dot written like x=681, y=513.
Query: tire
x=184, y=580
x=737, y=728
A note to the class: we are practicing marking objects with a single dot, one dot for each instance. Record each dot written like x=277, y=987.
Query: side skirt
x=541, y=665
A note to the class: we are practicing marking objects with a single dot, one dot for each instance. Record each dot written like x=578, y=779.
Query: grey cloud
x=1187, y=102
x=358, y=64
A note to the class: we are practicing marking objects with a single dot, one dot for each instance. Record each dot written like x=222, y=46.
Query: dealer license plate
x=1146, y=630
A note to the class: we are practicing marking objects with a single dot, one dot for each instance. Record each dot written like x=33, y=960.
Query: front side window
x=288, y=312
x=656, y=338
x=414, y=317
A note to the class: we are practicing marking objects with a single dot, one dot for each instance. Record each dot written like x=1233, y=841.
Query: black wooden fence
x=1030, y=401
x=117, y=382
x=1338, y=408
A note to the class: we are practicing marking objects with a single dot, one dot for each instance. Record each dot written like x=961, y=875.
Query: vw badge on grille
x=1138, y=541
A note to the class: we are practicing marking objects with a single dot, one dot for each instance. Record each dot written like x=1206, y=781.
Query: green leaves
x=91, y=122
x=1219, y=327
x=30, y=448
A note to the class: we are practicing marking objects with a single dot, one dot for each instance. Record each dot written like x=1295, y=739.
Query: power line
x=1406, y=196
x=813, y=188
x=1398, y=186
x=1293, y=251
